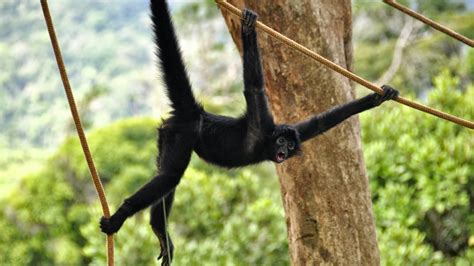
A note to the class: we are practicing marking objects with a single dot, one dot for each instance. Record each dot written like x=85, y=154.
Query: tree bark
x=325, y=191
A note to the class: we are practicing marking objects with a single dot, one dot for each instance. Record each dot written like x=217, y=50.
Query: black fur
x=220, y=140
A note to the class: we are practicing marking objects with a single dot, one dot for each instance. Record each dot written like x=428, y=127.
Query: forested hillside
x=108, y=51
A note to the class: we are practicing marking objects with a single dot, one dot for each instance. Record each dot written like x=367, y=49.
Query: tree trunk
x=325, y=191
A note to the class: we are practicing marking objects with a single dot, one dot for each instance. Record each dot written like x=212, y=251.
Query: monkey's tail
x=175, y=77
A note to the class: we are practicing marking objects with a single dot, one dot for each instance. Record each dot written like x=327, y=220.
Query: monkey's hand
x=249, y=22
x=166, y=247
x=111, y=225
x=389, y=93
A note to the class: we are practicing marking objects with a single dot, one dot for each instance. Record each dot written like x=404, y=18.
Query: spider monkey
x=220, y=140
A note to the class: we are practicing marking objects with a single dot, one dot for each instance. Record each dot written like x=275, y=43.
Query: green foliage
x=108, y=51
x=421, y=168
x=377, y=27
x=197, y=11
x=31, y=94
x=421, y=177
x=422, y=174
x=240, y=219
x=469, y=64
x=229, y=217
x=434, y=7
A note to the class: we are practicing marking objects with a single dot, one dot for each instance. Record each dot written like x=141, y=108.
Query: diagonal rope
x=165, y=217
x=430, y=22
x=77, y=122
x=280, y=37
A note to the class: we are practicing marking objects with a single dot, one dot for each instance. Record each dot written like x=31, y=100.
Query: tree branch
x=402, y=42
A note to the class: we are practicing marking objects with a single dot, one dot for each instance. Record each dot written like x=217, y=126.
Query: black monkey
x=224, y=141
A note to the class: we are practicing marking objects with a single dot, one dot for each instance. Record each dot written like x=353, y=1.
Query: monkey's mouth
x=280, y=157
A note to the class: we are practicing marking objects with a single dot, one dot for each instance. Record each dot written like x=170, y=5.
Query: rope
x=166, y=230
x=80, y=130
x=343, y=71
x=430, y=22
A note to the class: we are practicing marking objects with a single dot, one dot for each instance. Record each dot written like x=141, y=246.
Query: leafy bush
x=231, y=217
x=421, y=171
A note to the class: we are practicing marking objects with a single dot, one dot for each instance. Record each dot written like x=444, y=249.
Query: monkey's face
x=285, y=143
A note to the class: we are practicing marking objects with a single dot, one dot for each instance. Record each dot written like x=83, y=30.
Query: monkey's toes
x=167, y=250
x=165, y=259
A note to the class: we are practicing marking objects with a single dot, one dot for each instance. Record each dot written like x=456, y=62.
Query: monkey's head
x=284, y=143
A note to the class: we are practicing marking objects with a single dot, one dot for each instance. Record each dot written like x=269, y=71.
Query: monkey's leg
x=158, y=222
x=174, y=157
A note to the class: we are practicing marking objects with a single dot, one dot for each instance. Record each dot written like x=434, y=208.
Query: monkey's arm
x=322, y=122
x=258, y=113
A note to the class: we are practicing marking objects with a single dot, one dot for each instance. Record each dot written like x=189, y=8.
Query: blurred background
x=421, y=168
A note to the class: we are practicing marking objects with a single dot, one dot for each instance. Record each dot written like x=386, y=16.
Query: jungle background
x=421, y=168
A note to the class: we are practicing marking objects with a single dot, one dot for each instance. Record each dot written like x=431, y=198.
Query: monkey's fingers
x=389, y=93
x=104, y=225
x=250, y=18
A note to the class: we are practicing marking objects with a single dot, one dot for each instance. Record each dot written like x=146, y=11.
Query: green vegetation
x=427, y=52
x=55, y=220
x=421, y=173
x=421, y=169
x=422, y=179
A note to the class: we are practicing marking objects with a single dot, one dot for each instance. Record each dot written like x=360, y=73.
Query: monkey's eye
x=291, y=145
x=281, y=141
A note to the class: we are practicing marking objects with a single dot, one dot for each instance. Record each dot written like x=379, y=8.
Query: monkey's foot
x=250, y=20
x=166, y=254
